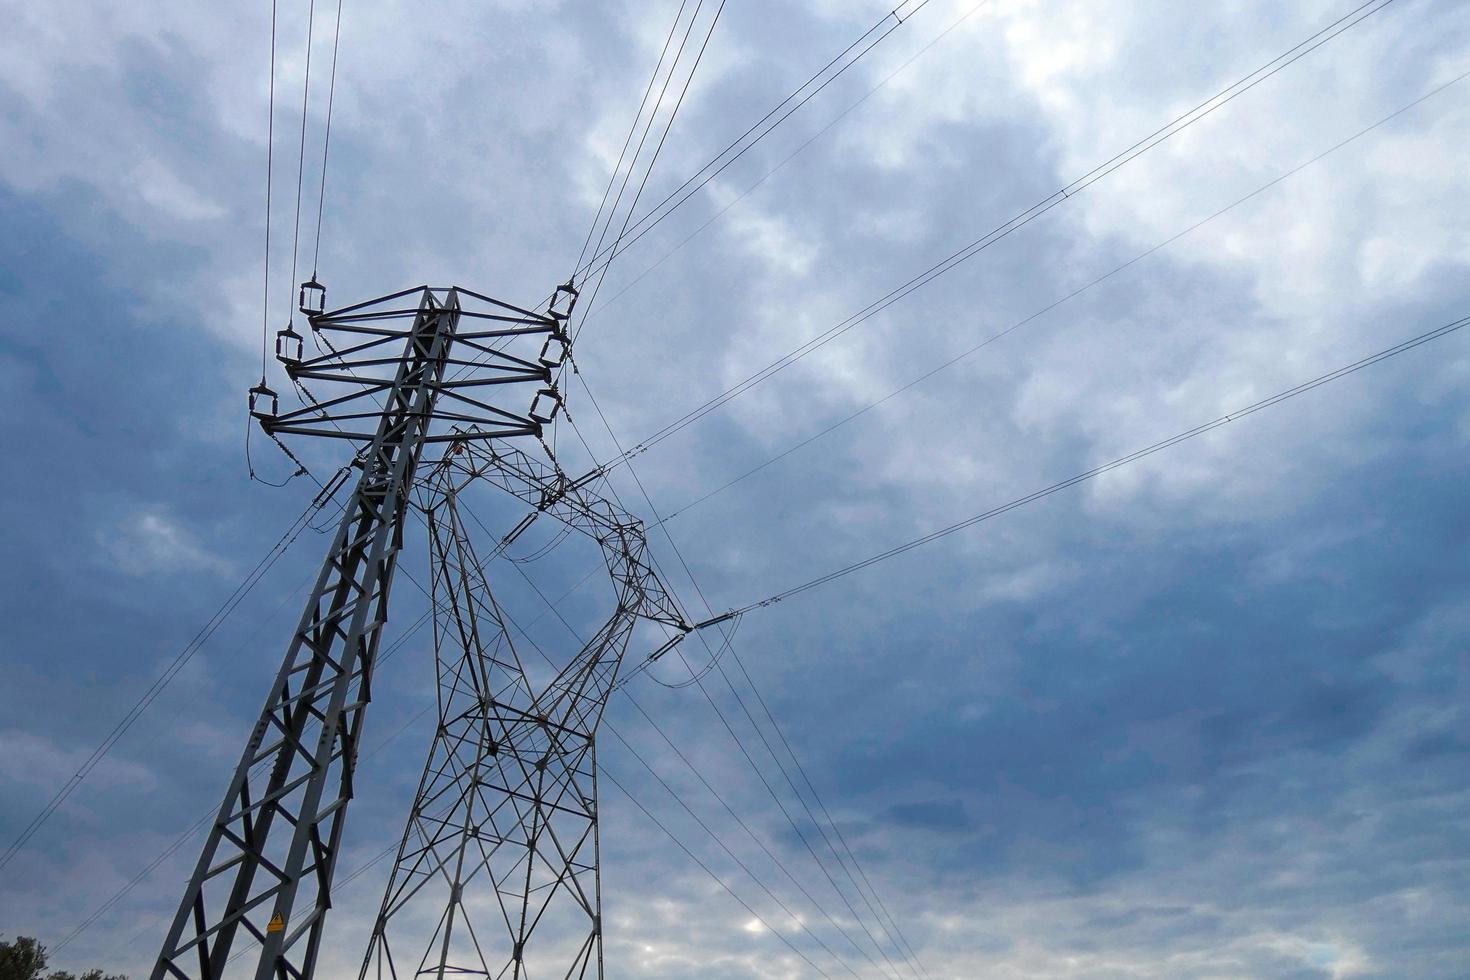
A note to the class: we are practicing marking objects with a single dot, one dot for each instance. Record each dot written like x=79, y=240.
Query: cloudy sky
x=1201, y=717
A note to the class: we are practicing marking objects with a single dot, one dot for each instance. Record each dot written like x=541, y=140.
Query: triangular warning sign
x=277, y=924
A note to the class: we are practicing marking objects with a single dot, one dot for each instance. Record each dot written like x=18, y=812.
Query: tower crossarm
x=495, y=345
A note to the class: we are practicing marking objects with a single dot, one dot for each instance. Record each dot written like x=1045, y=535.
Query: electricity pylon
x=268, y=862
x=500, y=850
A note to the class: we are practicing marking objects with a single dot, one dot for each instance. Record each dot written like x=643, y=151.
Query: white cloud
x=38, y=762
x=478, y=153
x=153, y=541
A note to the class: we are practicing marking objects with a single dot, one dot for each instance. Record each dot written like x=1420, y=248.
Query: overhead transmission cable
x=733, y=856
x=739, y=744
x=1096, y=471
x=270, y=152
x=647, y=172
x=735, y=201
x=654, y=111
x=658, y=149
x=1109, y=166
x=765, y=848
x=673, y=544
x=301, y=160
x=602, y=769
x=890, y=926
x=836, y=828
x=1282, y=177
x=1116, y=270
x=321, y=199
x=193, y=829
x=612, y=178
x=823, y=77
x=611, y=213
x=699, y=682
x=265, y=301
x=710, y=872
x=795, y=826
x=653, y=114
x=154, y=690
x=409, y=632
x=697, y=679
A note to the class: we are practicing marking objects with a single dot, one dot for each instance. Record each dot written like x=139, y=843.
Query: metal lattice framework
x=358, y=369
x=497, y=872
x=267, y=864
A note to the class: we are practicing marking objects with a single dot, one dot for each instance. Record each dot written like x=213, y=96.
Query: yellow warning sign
x=277, y=924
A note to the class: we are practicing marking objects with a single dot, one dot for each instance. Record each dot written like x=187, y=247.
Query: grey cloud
x=1202, y=719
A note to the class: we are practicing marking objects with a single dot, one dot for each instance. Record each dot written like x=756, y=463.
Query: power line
x=1114, y=163
x=270, y=150
x=554, y=608
x=792, y=155
x=669, y=789
x=895, y=933
x=193, y=829
x=976, y=348
x=761, y=776
x=151, y=694
x=321, y=199
x=732, y=855
x=703, y=780
x=1054, y=488
x=893, y=16
x=697, y=679
x=648, y=171
x=652, y=117
x=387, y=655
x=717, y=879
x=301, y=157
x=796, y=828
x=892, y=922
x=765, y=848
x=1096, y=471
x=648, y=128
x=628, y=140
x=699, y=682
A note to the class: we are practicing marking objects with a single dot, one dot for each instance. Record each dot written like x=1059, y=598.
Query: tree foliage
x=25, y=959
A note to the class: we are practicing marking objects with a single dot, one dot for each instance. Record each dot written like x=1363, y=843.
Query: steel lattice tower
x=501, y=843
x=398, y=383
